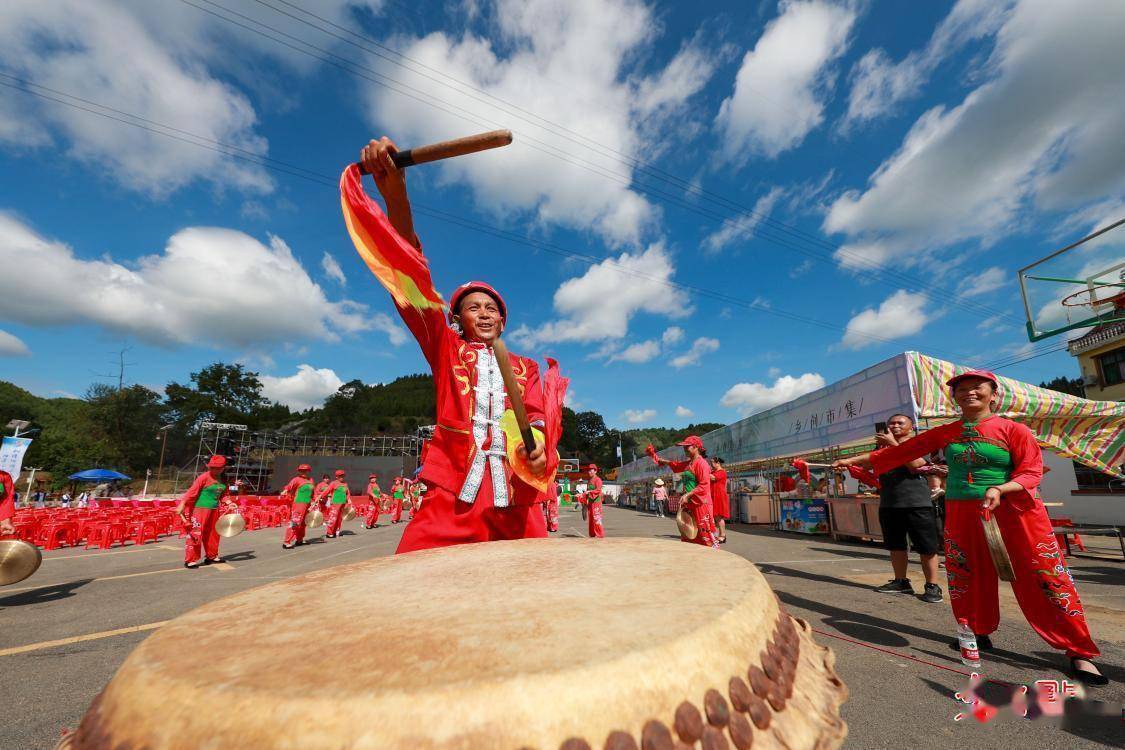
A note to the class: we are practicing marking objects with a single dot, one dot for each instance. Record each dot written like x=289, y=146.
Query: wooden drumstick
x=513, y=389
x=470, y=144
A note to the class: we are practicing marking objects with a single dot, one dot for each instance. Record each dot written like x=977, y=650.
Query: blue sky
x=776, y=195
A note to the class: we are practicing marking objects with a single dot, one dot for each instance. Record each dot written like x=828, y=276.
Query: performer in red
x=320, y=493
x=593, y=500
x=7, y=504
x=482, y=483
x=337, y=495
x=995, y=466
x=719, y=497
x=371, y=517
x=199, y=509
x=551, y=507
x=299, y=492
x=696, y=477
x=398, y=494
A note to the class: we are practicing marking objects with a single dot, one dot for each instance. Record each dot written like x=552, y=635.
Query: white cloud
x=901, y=314
x=332, y=269
x=751, y=398
x=773, y=372
x=878, y=84
x=1045, y=127
x=576, y=64
x=12, y=346
x=781, y=88
x=741, y=229
x=672, y=335
x=307, y=388
x=101, y=52
x=599, y=304
x=207, y=286
x=683, y=412
x=637, y=416
x=700, y=347
x=639, y=353
x=988, y=280
x=801, y=268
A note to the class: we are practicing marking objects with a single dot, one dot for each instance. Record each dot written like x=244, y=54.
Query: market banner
x=11, y=455
x=1090, y=432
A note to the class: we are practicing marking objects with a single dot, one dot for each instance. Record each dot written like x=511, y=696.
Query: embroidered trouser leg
x=295, y=533
x=1043, y=587
x=594, y=516
x=194, y=542
x=396, y=510
x=335, y=518
x=371, y=517
x=552, y=509
x=706, y=525
x=443, y=521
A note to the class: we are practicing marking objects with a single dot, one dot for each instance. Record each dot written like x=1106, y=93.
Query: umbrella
x=98, y=475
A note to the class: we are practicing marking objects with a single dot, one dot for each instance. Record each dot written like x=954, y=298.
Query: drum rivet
x=575, y=743
x=718, y=713
x=759, y=713
x=741, y=733
x=655, y=736
x=618, y=740
x=739, y=694
x=713, y=739
x=776, y=698
x=688, y=722
x=770, y=666
x=758, y=681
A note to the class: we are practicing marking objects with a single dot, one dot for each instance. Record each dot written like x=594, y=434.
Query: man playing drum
x=299, y=492
x=482, y=483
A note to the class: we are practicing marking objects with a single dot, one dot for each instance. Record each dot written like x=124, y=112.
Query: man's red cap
x=339, y=473
x=476, y=286
x=372, y=476
x=304, y=467
x=216, y=462
x=983, y=374
x=592, y=466
x=692, y=440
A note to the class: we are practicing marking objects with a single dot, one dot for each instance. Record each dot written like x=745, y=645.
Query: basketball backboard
x=1080, y=286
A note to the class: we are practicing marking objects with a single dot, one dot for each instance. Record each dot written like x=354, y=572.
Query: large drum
x=619, y=643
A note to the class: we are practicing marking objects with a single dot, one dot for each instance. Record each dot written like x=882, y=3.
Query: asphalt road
x=64, y=632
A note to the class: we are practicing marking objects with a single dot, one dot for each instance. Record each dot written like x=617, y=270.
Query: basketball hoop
x=1088, y=298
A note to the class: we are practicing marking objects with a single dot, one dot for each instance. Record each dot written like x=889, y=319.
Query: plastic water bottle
x=970, y=654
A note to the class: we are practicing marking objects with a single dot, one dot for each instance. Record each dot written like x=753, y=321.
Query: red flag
x=399, y=266
x=651, y=451
x=785, y=483
x=802, y=468
x=864, y=476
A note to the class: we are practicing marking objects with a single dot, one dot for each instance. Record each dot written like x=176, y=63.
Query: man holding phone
x=906, y=510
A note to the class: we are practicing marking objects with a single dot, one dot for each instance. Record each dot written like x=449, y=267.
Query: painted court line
x=144, y=548
x=80, y=638
x=216, y=566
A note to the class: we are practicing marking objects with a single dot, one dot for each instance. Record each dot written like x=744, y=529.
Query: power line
x=327, y=181
x=886, y=275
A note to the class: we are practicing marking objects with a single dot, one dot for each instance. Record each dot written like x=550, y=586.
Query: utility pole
x=163, y=444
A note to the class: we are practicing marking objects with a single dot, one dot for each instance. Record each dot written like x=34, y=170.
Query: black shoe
x=288, y=546
x=1088, y=678
x=211, y=560
x=896, y=586
x=932, y=593
x=193, y=565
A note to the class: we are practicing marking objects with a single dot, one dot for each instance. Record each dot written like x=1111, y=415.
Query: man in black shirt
x=906, y=509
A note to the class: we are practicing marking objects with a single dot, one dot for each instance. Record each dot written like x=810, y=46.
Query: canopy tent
x=1090, y=432
x=98, y=475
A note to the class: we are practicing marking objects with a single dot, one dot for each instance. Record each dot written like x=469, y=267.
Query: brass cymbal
x=686, y=522
x=349, y=513
x=314, y=519
x=996, y=548
x=18, y=560
x=230, y=524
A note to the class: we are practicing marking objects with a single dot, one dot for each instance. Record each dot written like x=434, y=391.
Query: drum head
x=230, y=524
x=473, y=664
x=18, y=561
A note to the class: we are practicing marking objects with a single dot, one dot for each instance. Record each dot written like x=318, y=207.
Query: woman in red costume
x=299, y=492
x=697, y=488
x=7, y=504
x=719, y=497
x=593, y=500
x=371, y=514
x=482, y=484
x=995, y=466
x=199, y=509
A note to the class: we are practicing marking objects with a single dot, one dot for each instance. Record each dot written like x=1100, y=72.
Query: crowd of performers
x=329, y=501
x=483, y=484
